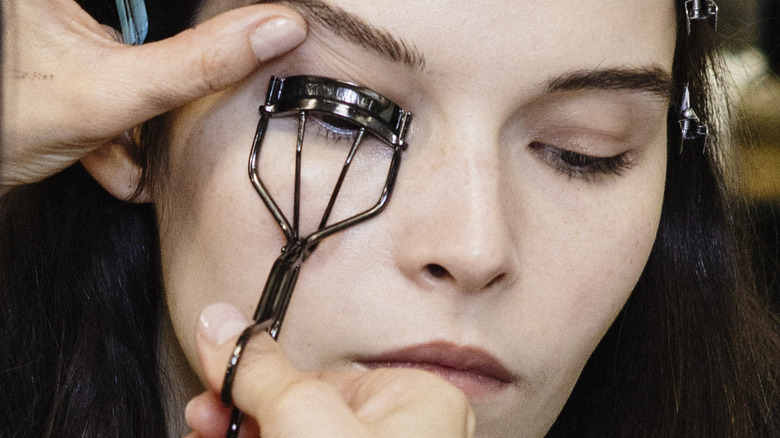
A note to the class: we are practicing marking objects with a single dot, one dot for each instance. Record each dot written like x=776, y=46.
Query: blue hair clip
x=133, y=19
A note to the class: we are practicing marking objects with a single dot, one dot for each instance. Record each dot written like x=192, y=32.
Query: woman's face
x=501, y=243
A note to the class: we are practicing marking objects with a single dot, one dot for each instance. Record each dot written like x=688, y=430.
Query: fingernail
x=275, y=37
x=359, y=366
x=220, y=322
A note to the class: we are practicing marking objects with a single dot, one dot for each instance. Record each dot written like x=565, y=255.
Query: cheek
x=606, y=265
x=217, y=239
x=616, y=247
x=583, y=247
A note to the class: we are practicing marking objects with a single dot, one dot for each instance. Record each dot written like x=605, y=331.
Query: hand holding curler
x=287, y=402
x=70, y=87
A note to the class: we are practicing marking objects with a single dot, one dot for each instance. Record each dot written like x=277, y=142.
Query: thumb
x=199, y=61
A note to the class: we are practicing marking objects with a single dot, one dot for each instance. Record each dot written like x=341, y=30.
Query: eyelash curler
x=371, y=114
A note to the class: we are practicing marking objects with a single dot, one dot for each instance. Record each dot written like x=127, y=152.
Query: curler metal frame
x=301, y=95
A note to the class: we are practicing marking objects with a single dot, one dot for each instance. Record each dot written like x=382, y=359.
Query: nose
x=453, y=228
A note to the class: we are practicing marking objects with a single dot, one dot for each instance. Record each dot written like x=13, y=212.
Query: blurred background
x=752, y=47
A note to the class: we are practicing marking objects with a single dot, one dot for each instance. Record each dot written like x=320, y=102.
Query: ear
x=116, y=168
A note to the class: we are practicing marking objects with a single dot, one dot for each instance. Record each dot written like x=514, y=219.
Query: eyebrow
x=653, y=80
x=354, y=29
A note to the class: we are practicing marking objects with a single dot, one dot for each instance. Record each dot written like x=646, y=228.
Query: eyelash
x=333, y=129
x=580, y=166
x=569, y=163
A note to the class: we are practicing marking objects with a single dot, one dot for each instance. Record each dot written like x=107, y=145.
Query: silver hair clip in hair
x=701, y=10
x=692, y=129
x=133, y=21
x=343, y=107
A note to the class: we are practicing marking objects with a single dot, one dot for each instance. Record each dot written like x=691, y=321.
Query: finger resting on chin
x=267, y=387
x=392, y=401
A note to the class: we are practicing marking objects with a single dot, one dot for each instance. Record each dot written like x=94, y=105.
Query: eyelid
x=619, y=116
x=330, y=124
x=596, y=142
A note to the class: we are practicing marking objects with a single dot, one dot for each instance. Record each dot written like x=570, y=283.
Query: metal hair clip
x=692, y=129
x=300, y=96
x=701, y=10
x=133, y=20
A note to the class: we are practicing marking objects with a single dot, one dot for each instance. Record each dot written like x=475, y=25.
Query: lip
x=474, y=371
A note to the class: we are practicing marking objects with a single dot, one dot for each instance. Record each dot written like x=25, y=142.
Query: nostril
x=437, y=271
x=499, y=278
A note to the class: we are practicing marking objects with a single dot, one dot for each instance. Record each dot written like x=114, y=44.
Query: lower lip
x=474, y=385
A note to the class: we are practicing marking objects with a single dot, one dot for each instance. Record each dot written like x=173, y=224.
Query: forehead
x=528, y=24
x=520, y=41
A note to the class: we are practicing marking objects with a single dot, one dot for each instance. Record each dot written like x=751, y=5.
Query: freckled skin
x=537, y=263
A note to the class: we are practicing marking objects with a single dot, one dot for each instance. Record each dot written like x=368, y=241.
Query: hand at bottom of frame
x=284, y=402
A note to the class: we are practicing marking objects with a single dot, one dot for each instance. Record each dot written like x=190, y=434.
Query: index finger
x=266, y=386
x=377, y=403
x=151, y=79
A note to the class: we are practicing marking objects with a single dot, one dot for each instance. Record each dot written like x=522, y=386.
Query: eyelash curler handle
x=133, y=20
x=268, y=316
x=298, y=95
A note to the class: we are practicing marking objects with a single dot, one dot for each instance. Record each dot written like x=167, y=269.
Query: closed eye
x=580, y=166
